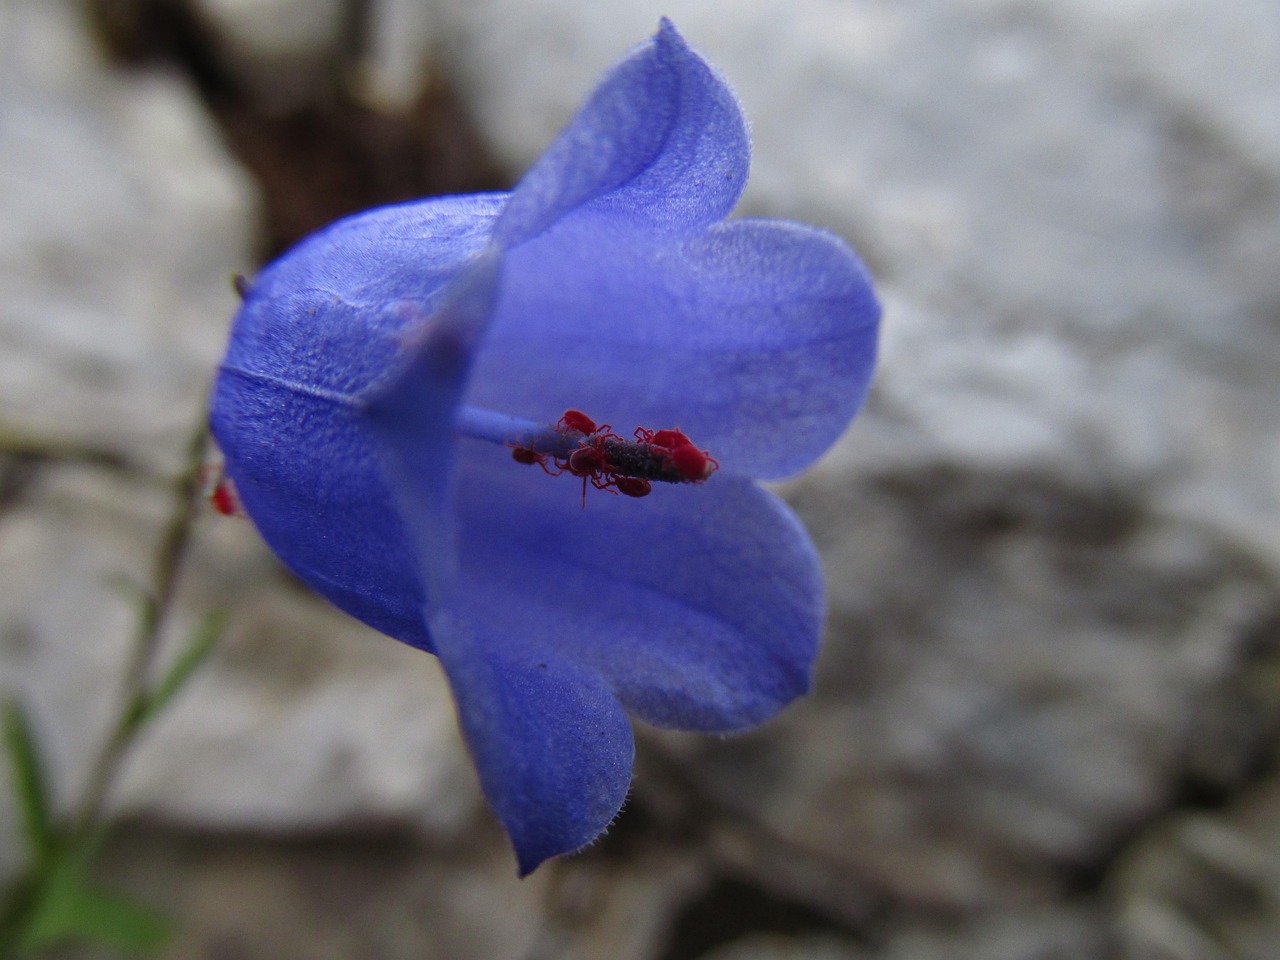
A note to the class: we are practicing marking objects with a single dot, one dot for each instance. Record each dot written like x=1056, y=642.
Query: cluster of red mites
x=610, y=462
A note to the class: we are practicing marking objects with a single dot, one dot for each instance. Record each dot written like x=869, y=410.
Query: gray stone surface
x=304, y=721
x=1019, y=673
x=766, y=947
x=119, y=222
x=1204, y=886
x=284, y=48
x=283, y=31
x=122, y=222
x=1052, y=541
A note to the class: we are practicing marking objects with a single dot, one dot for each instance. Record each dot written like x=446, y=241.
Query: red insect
x=529, y=457
x=607, y=461
x=633, y=486
x=579, y=421
x=220, y=491
x=591, y=463
x=693, y=465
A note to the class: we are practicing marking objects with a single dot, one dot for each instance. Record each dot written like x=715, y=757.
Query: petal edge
x=551, y=744
x=661, y=140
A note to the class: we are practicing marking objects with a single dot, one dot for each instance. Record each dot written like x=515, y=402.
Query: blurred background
x=1047, y=716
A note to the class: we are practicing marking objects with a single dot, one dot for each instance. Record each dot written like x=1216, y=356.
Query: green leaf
x=16, y=902
x=68, y=910
x=206, y=636
x=116, y=922
x=28, y=782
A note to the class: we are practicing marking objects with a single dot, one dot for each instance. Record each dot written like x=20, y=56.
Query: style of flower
x=395, y=382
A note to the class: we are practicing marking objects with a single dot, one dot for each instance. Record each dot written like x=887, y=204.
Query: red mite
x=220, y=491
x=576, y=420
x=628, y=467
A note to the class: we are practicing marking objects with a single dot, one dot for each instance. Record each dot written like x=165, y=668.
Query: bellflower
x=399, y=386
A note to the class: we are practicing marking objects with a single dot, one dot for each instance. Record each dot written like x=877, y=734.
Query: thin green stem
x=167, y=565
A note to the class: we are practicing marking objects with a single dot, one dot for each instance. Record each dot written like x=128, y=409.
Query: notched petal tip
x=669, y=36
x=661, y=142
x=525, y=865
x=550, y=740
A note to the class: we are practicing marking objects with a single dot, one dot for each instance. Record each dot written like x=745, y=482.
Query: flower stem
x=167, y=564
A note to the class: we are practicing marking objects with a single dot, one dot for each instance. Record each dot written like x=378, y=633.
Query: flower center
x=576, y=445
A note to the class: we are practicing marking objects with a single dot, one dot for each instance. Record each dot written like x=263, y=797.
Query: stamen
x=501, y=428
x=575, y=444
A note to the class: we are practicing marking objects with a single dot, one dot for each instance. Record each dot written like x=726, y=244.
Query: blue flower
x=380, y=374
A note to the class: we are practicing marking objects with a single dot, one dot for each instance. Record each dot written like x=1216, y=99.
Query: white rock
x=285, y=50
x=121, y=220
x=302, y=719
x=268, y=30
x=396, y=64
x=306, y=720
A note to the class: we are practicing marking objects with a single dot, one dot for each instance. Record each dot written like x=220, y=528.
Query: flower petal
x=697, y=609
x=413, y=413
x=550, y=742
x=549, y=738
x=661, y=144
x=701, y=606
x=757, y=338
x=327, y=313
x=318, y=327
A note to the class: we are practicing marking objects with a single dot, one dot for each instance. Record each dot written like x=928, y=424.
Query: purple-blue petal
x=700, y=605
x=319, y=328
x=757, y=338
x=310, y=476
x=412, y=415
x=660, y=145
x=328, y=314
x=550, y=741
x=699, y=609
